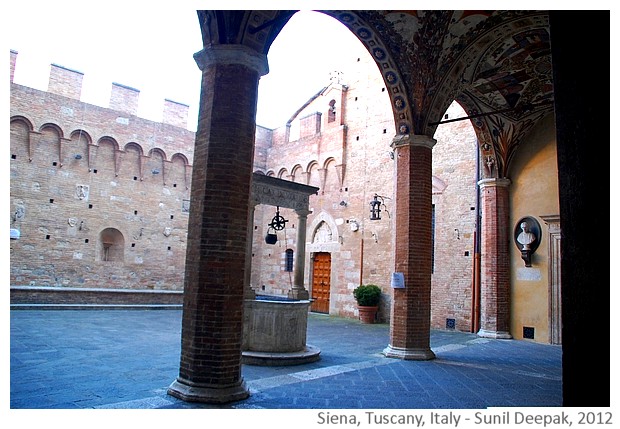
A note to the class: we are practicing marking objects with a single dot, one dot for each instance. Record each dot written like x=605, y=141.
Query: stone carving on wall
x=72, y=221
x=20, y=211
x=167, y=231
x=82, y=191
x=323, y=234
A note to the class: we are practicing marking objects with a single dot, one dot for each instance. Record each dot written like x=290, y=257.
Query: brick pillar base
x=411, y=308
x=213, y=297
x=191, y=392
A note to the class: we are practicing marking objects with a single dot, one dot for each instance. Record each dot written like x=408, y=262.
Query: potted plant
x=367, y=297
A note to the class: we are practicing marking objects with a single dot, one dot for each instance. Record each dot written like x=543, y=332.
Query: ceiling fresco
x=496, y=64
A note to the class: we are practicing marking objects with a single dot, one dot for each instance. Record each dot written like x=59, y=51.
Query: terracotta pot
x=367, y=313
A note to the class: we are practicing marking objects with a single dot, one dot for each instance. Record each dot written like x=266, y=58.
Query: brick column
x=212, y=325
x=411, y=307
x=299, y=291
x=494, y=259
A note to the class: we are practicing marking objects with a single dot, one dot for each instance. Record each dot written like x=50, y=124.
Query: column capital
x=493, y=182
x=413, y=140
x=303, y=212
x=232, y=54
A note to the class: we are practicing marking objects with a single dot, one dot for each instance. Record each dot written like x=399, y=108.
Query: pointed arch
x=323, y=234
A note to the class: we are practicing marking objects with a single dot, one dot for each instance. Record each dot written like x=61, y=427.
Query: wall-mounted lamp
x=458, y=234
x=375, y=207
x=343, y=203
x=78, y=156
x=155, y=171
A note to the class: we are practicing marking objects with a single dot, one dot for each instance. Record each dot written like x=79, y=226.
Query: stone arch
x=314, y=178
x=154, y=166
x=21, y=129
x=111, y=245
x=297, y=174
x=107, y=156
x=130, y=166
x=283, y=174
x=109, y=140
x=49, y=125
x=331, y=177
x=77, y=155
x=159, y=152
x=24, y=120
x=134, y=146
x=47, y=148
x=324, y=234
x=179, y=171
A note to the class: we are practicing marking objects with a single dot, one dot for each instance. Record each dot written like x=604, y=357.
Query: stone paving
x=126, y=359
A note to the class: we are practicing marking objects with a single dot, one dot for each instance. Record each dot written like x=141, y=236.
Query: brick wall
x=137, y=174
x=79, y=171
x=65, y=82
x=350, y=160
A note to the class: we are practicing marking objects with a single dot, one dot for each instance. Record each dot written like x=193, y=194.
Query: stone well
x=274, y=332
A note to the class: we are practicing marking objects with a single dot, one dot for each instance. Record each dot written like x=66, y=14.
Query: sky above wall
x=152, y=50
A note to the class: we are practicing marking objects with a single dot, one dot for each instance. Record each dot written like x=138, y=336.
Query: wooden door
x=321, y=274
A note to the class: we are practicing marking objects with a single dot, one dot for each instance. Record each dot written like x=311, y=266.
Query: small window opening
x=289, y=260
x=331, y=116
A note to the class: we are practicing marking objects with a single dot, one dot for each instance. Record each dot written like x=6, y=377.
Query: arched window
x=331, y=114
x=288, y=262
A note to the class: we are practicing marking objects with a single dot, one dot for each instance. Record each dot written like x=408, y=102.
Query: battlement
x=66, y=82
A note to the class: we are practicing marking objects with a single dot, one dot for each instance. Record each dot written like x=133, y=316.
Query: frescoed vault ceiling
x=496, y=64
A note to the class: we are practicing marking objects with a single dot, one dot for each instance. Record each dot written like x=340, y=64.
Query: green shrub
x=367, y=295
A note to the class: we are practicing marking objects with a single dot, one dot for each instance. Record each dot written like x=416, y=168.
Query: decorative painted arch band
x=391, y=76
